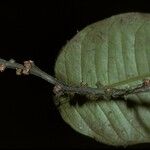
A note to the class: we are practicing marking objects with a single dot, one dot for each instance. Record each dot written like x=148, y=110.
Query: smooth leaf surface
x=114, y=51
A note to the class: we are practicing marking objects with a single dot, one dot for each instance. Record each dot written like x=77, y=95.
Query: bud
x=2, y=67
x=18, y=71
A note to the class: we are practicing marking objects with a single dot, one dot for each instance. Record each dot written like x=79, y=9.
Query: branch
x=60, y=88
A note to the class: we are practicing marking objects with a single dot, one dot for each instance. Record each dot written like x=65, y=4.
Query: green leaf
x=116, y=52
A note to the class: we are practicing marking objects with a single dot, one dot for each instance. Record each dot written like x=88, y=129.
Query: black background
x=37, y=31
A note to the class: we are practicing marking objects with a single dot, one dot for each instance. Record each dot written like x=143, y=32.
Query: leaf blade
x=109, y=51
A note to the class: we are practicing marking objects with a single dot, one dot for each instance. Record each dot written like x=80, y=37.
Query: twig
x=143, y=87
x=24, y=69
x=61, y=88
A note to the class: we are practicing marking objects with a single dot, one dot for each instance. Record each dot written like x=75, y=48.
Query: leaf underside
x=116, y=52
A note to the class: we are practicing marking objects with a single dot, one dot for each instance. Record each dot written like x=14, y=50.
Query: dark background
x=37, y=31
